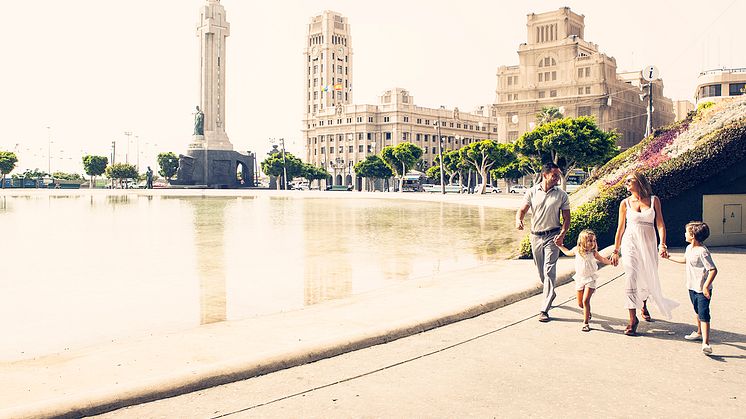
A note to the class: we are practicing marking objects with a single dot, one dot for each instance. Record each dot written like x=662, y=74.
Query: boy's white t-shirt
x=698, y=264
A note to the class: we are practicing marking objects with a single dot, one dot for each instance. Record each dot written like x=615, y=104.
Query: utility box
x=724, y=215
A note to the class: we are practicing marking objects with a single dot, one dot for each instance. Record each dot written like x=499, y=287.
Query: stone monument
x=210, y=160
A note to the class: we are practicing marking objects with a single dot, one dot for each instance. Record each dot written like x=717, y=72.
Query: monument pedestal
x=215, y=168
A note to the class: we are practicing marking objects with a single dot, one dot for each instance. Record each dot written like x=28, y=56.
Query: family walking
x=640, y=216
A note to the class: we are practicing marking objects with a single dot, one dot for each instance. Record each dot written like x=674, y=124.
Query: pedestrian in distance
x=639, y=216
x=546, y=202
x=149, y=178
x=586, y=258
x=700, y=273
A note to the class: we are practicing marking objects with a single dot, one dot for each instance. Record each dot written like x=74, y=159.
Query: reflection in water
x=83, y=269
x=209, y=225
x=326, y=229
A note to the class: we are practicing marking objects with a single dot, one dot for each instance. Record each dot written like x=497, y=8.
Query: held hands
x=614, y=258
x=663, y=251
x=559, y=239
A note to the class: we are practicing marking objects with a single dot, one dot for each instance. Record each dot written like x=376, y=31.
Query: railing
x=723, y=70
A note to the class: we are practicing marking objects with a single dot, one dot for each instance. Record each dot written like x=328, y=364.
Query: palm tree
x=548, y=114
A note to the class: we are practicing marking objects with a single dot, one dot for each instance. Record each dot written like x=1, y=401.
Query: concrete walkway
x=105, y=377
x=503, y=363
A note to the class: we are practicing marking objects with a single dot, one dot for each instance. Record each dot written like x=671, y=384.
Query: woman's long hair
x=644, y=188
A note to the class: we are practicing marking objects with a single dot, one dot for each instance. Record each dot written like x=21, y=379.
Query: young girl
x=586, y=254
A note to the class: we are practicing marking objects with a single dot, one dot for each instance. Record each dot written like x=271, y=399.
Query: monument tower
x=210, y=160
x=212, y=31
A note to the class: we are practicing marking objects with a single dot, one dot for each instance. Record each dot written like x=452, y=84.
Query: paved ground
x=506, y=364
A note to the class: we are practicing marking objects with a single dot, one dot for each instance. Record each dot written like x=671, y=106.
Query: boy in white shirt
x=700, y=272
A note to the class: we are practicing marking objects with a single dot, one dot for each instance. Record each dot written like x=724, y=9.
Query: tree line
x=571, y=143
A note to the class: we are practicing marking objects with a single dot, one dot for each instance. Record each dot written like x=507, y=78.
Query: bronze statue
x=199, y=122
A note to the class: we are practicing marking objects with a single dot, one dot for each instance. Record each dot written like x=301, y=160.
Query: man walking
x=546, y=202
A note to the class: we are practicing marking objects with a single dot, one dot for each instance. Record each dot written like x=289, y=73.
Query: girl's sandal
x=586, y=328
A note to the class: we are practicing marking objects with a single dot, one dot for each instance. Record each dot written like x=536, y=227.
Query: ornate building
x=558, y=67
x=338, y=134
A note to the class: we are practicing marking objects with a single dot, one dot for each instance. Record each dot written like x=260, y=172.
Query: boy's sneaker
x=693, y=336
x=706, y=349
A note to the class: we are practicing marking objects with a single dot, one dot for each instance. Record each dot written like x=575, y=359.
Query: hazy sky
x=94, y=69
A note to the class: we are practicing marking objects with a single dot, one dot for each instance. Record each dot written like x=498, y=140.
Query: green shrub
x=715, y=153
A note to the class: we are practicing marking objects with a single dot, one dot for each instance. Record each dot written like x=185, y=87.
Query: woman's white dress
x=640, y=261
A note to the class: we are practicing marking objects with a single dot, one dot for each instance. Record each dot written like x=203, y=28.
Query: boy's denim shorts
x=701, y=305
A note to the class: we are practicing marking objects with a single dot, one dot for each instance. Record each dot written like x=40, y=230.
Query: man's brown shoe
x=543, y=317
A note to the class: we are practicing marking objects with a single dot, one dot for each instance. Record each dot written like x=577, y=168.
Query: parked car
x=518, y=189
x=487, y=189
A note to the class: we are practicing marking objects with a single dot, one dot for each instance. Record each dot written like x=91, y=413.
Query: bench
x=339, y=188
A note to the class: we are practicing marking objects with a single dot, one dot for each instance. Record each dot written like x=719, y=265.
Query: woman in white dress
x=639, y=216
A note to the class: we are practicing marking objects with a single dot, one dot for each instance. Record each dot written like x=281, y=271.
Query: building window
x=323, y=151
x=386, y=119
x=349, y=149
x=541, y=76
x=388, y=136
x=370, y=119
x=512, y=135
x=584, y=110
x=458, y=125
x=359, y=119
x=434, y=150
x=425, y=150
x=552, y=93
x=709, y=91
x=406, y=119
x=587, y=90
x=737, y=89
x=418, y=137
x=419, y=120
x=370, y=135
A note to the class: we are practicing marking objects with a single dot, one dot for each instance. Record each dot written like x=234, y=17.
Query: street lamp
x=284, y=165
x=137, y=140
x=49, y=151
x=127, y=156
x=440, y=157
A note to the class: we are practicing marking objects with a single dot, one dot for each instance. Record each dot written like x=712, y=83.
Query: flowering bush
x=675, y=159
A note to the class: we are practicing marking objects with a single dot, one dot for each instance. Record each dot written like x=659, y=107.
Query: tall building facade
x=328, y=58
x=558, y=67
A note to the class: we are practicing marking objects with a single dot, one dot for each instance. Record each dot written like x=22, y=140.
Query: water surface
x=84, y=269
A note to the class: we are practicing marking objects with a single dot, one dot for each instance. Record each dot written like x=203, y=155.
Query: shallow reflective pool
x=85, y=269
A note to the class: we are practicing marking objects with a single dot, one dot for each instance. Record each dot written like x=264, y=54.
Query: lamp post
x=284, y=165
x=49, y=151
x=137, y=140
x=440, y=157
x=127, y=156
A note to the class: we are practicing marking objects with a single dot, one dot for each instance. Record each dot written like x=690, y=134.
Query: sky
x=77, y=75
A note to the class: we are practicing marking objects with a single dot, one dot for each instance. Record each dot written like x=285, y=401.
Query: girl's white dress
x=640, y=261
x=585, y=269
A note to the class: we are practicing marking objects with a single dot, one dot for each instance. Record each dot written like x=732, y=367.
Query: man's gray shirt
x=546, y=206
